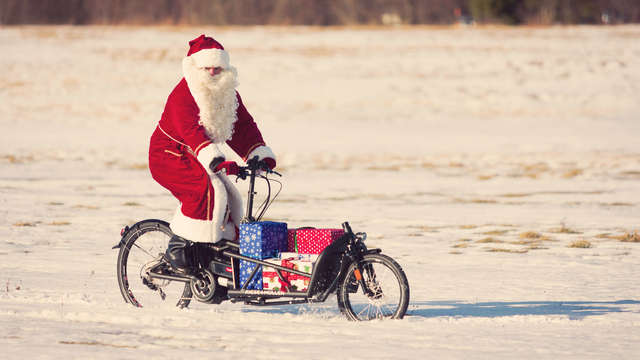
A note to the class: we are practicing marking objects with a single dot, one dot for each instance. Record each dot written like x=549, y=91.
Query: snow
x=440, y=143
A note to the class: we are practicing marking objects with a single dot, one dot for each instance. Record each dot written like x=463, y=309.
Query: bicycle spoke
x=390, y=310
x=145, y=251
x=142, y=255
x=384, y=294
x=379, y=313
x=361, y=311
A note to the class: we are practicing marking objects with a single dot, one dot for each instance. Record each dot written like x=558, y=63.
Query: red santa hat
x=204, y=51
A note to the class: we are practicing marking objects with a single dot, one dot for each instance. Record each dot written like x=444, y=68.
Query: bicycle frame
x=329, y=270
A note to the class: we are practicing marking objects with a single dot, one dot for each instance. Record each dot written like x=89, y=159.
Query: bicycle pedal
x=149, y=284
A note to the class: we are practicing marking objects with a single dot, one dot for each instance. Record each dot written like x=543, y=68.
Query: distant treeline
x=317, y=12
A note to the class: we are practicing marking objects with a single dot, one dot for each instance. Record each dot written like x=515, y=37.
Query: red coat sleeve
x=246, y=136
x=183, y=113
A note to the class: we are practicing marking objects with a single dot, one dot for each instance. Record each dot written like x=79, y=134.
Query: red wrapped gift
x=298, y=282
x=313, y=241
x=270, y=281
x=291, y=240
x=289, y=281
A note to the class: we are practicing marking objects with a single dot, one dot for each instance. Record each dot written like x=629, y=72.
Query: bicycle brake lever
x=242, y=175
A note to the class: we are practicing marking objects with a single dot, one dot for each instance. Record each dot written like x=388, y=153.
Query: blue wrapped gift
x=260, y=240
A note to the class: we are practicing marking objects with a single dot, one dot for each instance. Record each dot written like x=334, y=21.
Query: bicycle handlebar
x=253, y=165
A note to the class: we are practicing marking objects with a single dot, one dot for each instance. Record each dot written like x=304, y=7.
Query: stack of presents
x=273, y=242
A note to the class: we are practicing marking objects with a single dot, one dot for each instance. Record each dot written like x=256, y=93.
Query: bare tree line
x=316, y=12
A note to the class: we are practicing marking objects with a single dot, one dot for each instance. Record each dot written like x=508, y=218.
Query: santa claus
x=203, y=111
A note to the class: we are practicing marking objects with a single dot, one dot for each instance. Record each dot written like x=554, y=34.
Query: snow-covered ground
x=474, y=156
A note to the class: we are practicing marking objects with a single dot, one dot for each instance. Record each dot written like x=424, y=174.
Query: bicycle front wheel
x=385, y=293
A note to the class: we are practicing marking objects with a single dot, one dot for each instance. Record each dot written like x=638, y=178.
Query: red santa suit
x=202, y=112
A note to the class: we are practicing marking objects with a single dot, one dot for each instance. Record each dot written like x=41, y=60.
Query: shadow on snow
x=575, y=310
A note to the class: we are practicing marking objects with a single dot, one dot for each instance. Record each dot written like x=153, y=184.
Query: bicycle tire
x=388, y=295
x=149, y=240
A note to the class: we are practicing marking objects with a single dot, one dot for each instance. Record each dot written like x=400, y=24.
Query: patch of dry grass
x=515, y=195
x=572, y=173
x=485, y=177
x=483, y=201
x=526, y=242
x=488, y=240
x=460, y=246
x=17, y=159
x=137, y=166
x=631, y=237
x=59, y=223
x=393, y=167
x=13, y=84
x=88, y=207
x=617, y=203
x=426, y=165
x=532, y=171
x=530, y=235
x=580, y=244
x=97, y=343
x=455, y=252
x=292, y=200
x=426, y=228
x=564, y=230
x=632, y=173
x=467, y=227
x=131, y=203
x=511, y=251
x=26, y=223
x=626, y=237
x=495, y=232
x=474, y=201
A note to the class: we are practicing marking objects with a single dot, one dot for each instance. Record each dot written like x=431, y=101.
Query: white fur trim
x=207, y=154
x=236, y=205
x=191, y=229
x=211, y=58
x=220, y=204
x=225, y=195
x=262, y=152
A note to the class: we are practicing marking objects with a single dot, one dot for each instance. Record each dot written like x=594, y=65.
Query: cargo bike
x=368, y=284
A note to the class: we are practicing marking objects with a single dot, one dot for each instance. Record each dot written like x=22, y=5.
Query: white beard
x=215, y=97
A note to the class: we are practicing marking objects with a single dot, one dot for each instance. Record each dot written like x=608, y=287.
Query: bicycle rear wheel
x=141, y=252
x=385, y=294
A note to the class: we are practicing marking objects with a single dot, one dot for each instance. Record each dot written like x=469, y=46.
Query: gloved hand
x=230, y=167
x=271, y=163
x=263, y=153
x=210, y=156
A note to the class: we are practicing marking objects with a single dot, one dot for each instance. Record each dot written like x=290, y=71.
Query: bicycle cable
x=266, y=203
x=261, y=209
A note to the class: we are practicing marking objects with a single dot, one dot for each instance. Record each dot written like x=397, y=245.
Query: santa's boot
x=178, y=254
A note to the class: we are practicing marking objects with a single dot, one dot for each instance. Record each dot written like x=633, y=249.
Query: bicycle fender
x=123, y=234
x=127, y=229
